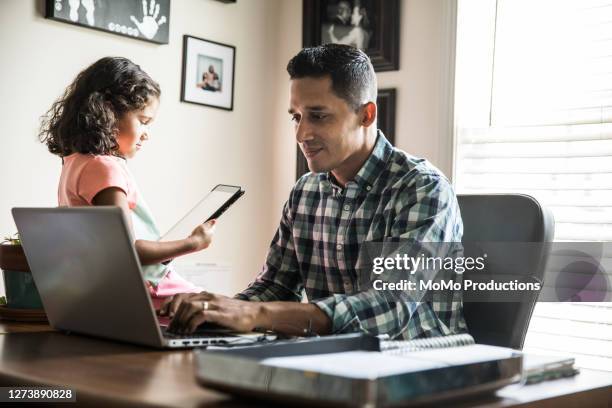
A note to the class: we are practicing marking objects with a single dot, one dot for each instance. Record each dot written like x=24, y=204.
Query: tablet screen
x=201, y=212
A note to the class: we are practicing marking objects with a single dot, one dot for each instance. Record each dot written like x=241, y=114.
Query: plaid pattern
x=316, y=248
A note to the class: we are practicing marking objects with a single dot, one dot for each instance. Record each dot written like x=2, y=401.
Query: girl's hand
x=201, y=237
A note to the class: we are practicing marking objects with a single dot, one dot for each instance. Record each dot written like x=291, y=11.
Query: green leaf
x=12, y=240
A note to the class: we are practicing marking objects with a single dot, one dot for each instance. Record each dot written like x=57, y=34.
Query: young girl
x=102, y=120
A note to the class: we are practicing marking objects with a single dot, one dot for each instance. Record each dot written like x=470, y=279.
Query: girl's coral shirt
x=85, y=175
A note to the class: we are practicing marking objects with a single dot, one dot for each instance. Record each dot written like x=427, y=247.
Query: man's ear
x=368, y=116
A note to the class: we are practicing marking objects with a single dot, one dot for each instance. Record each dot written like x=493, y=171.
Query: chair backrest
x=505, y=218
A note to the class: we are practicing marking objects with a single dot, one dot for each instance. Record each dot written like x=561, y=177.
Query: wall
x=424, y=81
x=192, y=147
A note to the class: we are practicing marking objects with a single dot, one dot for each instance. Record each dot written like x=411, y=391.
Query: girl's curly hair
x=84, y=119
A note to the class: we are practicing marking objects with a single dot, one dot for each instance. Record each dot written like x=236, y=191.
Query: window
x=533, y=114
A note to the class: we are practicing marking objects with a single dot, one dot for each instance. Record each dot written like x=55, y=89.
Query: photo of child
x=209, y=73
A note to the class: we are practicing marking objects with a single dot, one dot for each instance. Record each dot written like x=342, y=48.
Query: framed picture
x=146, y=20
x=386, y=113
x=370, y=25
x=208, y=73
x=385, y=121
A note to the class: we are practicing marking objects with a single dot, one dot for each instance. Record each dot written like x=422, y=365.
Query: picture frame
x=208, y=73
x=301, y=167
x=386, y=104
x=146, y=20
x=385, y=121
x=372, y=25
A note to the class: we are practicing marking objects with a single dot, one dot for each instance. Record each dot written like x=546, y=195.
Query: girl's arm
x=152, y=252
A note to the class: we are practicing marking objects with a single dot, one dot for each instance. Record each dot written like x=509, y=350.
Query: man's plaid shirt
x=321, y=234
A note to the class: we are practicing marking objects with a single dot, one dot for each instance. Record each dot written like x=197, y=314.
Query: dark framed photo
x=146, y=20
x=370, y=25
x=386, y=113
x=208, y=73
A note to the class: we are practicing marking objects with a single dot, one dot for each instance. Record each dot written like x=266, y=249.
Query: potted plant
x=21, y=292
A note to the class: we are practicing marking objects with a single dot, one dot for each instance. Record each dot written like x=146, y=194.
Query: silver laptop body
x=89, y=278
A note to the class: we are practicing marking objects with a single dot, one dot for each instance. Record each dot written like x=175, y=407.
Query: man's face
x=326, y=127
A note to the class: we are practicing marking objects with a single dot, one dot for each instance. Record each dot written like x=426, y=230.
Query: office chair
x=505, y=218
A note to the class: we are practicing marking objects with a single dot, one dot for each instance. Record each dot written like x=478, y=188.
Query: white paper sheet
x=353, y=364
x=372, y=364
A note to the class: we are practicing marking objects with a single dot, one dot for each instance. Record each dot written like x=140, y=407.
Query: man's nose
x=303, y=132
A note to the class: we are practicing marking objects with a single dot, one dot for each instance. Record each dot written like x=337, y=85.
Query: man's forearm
x=293, y=318
x=267, y=291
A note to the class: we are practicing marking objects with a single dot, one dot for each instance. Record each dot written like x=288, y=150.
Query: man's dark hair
x=352, y=75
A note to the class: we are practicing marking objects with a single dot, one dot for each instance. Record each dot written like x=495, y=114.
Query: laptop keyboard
x=196, y=334
x=196, y=339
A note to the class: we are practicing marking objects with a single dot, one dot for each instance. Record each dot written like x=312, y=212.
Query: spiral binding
x=405, y=346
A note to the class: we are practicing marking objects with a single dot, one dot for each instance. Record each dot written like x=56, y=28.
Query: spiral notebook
x=399, y=347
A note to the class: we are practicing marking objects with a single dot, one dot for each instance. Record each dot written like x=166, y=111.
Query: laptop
x=89, y=278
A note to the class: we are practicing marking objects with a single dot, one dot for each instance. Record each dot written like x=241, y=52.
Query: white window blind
x=533, y=114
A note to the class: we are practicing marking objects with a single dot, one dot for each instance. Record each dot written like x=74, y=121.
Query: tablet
x=210, y=207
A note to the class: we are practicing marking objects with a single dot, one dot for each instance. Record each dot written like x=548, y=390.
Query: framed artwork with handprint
x=146, y=20
x=370, y=25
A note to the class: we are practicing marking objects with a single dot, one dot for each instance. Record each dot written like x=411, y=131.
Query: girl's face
x=134, y=128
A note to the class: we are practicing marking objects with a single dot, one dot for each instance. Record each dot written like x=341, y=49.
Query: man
x=360, y=189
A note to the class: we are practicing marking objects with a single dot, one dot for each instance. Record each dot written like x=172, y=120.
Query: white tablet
x=210, y=207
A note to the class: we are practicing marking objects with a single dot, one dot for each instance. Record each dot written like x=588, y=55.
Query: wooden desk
x=112, y=374
x=102, y=372
x=15, y=327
